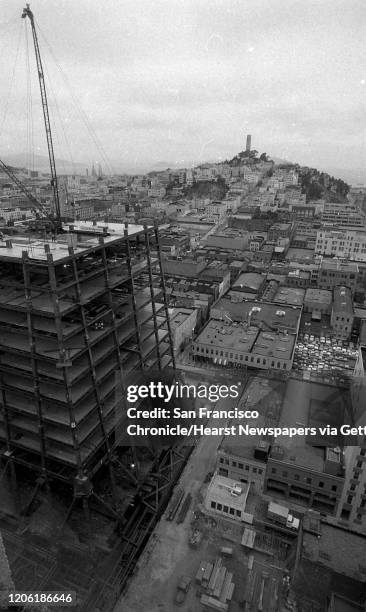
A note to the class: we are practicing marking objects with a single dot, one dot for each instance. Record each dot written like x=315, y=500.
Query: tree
x=264, y=157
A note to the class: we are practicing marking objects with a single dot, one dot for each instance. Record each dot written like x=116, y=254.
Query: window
x=254, y=470
x=285, y=474
x=238, y=513
x=240, y=466
x=247, y=468
x=233, y=463
x=321, y=484
x=296, y=477
x=226, y=508
x=274, y=470
x=308, y=480
x=213, y=505
x=334, y=487
x=221, y=460
x=260, y=471
x=219, y=506
x=232, y=511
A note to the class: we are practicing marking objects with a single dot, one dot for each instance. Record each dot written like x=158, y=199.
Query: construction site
x=78, y=317
x=83, y=313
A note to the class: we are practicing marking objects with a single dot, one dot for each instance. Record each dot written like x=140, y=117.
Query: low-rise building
x=249, y=334
x=333, y=273
x=227, y=497
x=318, y=301
x=308, y=470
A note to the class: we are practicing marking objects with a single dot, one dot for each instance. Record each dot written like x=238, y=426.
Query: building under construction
x=80, y=316
x=83, y=312
x=77, y=315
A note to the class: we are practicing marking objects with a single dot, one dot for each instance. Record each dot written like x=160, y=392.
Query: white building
x=227, y=497
x=342, y=242
x=15, y=214
x=156, y=192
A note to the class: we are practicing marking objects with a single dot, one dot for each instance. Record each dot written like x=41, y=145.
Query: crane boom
x=28, y=13
x=37, y=206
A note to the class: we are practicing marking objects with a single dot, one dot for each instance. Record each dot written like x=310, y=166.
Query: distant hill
x=41, y=163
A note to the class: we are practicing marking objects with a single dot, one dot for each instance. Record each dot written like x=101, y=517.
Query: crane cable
x=62, y=124
x=30, y=126
x=12, y=80
x=82, y=115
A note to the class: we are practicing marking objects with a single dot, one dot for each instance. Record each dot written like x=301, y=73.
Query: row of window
x=241, y=466
x=237, y=357
x=226, y=509
x=307, y=479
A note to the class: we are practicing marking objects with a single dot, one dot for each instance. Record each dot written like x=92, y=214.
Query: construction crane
x=36, y=205
x=56, y=198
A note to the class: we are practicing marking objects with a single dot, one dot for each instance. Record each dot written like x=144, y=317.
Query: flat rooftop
x=318, y=296
x=265, y=396
x=341, y=550
x=274, y=345
x=220, y=489
x=245, y=338
x=83, y=237
x=295, y=253
x=342, y=301
x=226, y=335
x=308, y=404
x=271, y=314
x=290, y=295
x=335, y=264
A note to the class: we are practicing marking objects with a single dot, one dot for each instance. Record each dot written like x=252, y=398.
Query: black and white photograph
x=183, y=305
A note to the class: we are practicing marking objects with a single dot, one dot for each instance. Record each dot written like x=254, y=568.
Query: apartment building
x=346, y=214
x=342, y=242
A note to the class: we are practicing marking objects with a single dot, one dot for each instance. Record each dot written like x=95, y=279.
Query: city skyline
x=180, y=84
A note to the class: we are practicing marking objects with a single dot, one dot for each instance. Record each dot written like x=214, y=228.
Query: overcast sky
x=183, y=81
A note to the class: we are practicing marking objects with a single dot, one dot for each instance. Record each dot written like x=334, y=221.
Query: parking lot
x=324, y=357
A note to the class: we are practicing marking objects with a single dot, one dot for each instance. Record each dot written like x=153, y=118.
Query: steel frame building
x=77, y=316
